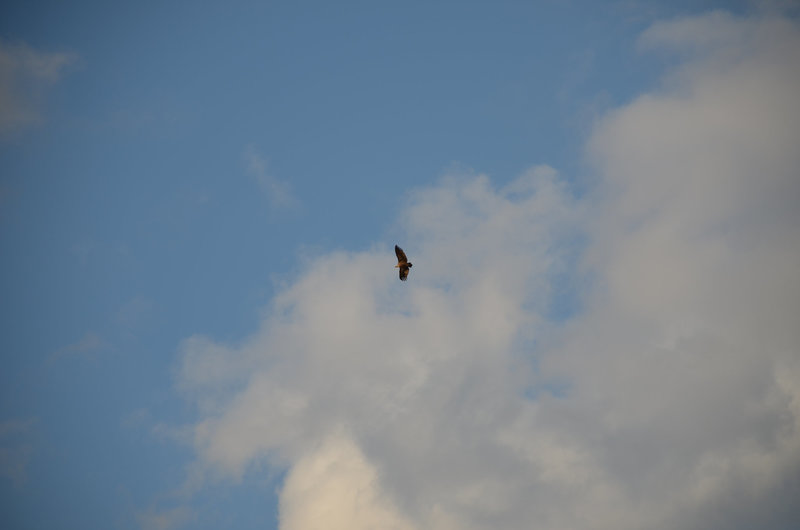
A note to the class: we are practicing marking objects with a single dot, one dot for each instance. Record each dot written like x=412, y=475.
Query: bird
x=402, y=263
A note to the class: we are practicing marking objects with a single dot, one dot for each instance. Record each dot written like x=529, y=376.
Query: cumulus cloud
x=457, y=400
x=336, y=487
x=25, y=74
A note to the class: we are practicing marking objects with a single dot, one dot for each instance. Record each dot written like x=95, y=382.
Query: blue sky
x=201, y=326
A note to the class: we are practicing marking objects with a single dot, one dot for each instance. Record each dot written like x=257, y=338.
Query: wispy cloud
x=25, y=75
x=277, y=191
x=165, y=519
x=136, y=312
x=90, y=344
x=680, y=378
x=15, y=450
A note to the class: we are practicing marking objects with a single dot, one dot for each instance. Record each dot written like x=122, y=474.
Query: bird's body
x=402, y=263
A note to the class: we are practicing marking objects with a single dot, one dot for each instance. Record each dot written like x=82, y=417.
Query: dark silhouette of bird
x=402, y=263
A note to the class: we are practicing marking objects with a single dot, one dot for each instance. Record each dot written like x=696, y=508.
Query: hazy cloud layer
x=457, y=400
x=25, y=74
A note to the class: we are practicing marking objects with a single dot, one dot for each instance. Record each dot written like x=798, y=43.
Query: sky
x=201, y=325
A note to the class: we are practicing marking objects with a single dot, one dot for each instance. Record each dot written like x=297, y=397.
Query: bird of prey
x=402, y=263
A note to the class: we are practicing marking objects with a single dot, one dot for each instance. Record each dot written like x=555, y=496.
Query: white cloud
x=335, y=487
x=454, y=401
x=25, y=74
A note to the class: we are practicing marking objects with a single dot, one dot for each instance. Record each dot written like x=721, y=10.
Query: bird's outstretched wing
x=402, y=263
x=401, y=258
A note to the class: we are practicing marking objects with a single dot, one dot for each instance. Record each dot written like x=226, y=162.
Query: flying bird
x=402, y=263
